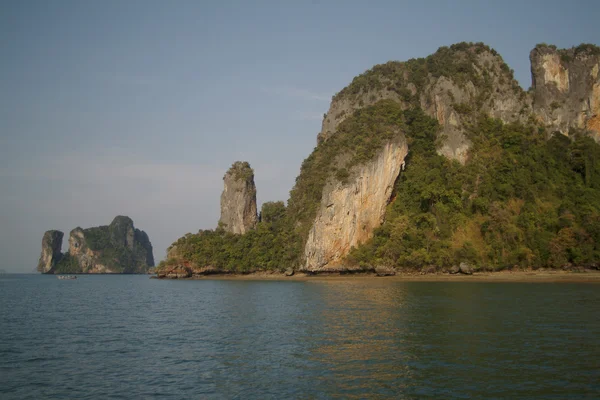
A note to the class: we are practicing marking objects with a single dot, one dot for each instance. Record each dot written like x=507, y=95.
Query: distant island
x=118, y=248
x=441, y=163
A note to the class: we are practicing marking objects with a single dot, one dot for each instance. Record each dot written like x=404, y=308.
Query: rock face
x=143, y=240
x=185, y=269
x=115, y=248
x=454, y=85
x=122, y=232
x=350, y=212
x=465, y=268
x=566, y=85
x=384, y=271
x=51, y=251
x=338, y=203
x=447, y=85
x=79, y=251
x=238, y=200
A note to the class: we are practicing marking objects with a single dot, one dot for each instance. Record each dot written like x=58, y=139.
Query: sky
x=138, y=107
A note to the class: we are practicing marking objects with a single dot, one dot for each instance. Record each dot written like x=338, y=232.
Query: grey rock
x=51, y=251
x=465, y=268
x=114, y=248
x=142, y=239
x=238, y=200
x=289, y=272
x=428, y=270
x=455, y=269
x=344, y=219
x=491, y=89
x=566, y=88
x=385, y=271
x=122, y=232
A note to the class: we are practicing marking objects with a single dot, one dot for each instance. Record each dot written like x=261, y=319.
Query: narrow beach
x=502, y=276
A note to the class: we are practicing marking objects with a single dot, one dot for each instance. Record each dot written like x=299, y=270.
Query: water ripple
x=122, y=337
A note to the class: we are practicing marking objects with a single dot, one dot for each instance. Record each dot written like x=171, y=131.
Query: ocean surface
x=130, y=337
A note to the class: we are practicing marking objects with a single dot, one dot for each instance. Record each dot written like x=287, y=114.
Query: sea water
x=125, y=337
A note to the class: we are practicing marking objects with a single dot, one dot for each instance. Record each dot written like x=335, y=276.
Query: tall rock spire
x=51, y=251
x=238, y=200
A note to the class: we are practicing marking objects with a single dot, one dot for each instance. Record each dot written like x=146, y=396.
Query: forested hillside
x=485, y=180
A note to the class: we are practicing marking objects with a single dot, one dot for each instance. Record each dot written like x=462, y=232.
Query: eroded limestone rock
x=51, y=251
x=238, y=200
x=490, y=88
x=115, y=248
x=566, y=87
x=350, y=212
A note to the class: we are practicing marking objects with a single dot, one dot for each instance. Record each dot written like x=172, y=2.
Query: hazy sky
x=139, y=107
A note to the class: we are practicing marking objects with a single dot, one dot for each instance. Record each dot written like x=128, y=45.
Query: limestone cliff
x=238, y=200
x=349, y=212
x=143, y=240
x=115, y=248
x=389, y=112
x=51, y=251
x=566, y=87
x=449, y=85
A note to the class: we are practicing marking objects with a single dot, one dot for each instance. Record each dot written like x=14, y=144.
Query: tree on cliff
x=487, y=179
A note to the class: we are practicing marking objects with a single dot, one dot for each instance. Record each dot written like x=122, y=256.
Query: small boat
x=67, y=277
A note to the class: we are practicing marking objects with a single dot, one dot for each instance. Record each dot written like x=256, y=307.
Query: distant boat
x=66, y=277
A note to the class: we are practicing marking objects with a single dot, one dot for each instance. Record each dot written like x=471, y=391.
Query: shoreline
x=589, y=276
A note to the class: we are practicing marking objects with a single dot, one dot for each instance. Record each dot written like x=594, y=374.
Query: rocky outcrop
x=465, y=268
x=238, y=200
x=51, y=251
x=143, y=240
x=80, y=253
x=349, y=212
x=462, y=268
x=122, y=232
x=115, y=248
x=175, y=272
x=184, y=269
x=448, y=85
x=340, y=197
x=385, y=271
x=566, y=87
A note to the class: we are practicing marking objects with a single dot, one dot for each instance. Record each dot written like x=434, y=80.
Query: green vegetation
x=520, y=200
x=456, y=62
x=278, y=240
x=357, y=140
x=98, y=238
x=241, y=170
x=542, y=45
x=587, y=48
x=108, y=244
x=568, y=55
x=462, y=108
x=271, y=246
x=67, y=265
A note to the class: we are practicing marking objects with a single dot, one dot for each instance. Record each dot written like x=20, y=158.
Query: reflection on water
x=131, y=337
x=438, y=339
x=363, y=349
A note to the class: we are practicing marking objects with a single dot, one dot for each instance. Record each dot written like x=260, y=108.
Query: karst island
x=118, y=248
x=433, y=164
